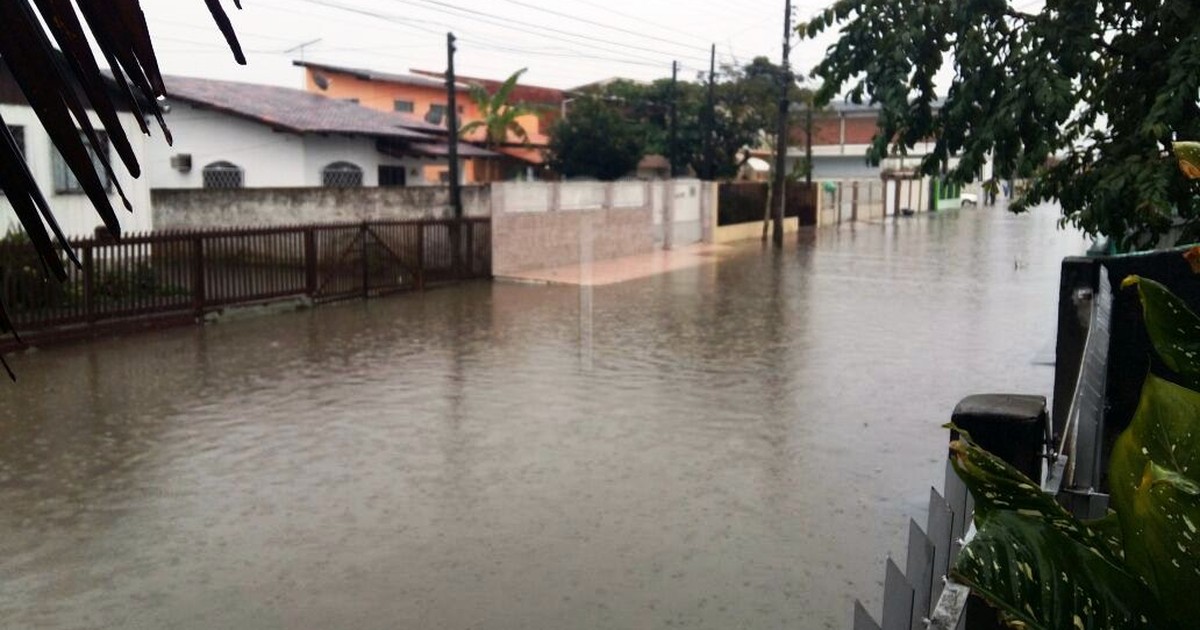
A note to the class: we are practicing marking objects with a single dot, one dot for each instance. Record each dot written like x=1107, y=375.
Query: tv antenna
x=301, y=47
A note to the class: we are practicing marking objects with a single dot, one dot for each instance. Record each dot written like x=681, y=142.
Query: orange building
x=425, y=96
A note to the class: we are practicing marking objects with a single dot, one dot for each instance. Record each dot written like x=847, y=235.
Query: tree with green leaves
x=497, y=116
x=595, y=140
x=744, y=114
x=62, y=85
x=1083, y=98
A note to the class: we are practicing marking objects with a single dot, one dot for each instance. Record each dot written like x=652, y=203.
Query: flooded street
x=738, y=445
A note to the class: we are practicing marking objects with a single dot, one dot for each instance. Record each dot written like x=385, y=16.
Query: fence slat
x=862, y=619
x=956, y=496
x=918, y=567
x=897, y=599
x=939, y=528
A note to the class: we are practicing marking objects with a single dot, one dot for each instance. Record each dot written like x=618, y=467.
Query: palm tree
x=498, y=117
x=62, y=86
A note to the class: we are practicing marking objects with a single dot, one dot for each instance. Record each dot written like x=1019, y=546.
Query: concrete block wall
x=538, y=225
x=524, y=241
x=191, y=208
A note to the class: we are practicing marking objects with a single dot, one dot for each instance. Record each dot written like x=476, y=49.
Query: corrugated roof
x=374, y=75
x=296, y=110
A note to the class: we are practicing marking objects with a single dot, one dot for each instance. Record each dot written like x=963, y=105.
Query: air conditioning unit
x=182, y=162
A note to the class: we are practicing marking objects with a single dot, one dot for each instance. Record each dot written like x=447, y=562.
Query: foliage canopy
x=595, y=140
x=1083, y=97
x=745, y=100
x=498, y=117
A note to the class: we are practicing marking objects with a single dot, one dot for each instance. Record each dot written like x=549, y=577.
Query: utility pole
x=452, y=126
x=672, y=148
x=808, y=161
x=711, y=119
x=785, y=80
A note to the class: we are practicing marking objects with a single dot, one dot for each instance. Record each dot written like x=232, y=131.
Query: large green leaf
x=1036, y=563
x=1173, y=328
x=1155, y=484
x=1045, y=577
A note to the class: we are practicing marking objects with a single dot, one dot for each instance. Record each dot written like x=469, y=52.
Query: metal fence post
x=198, y=289
x=421, y=256
x=89, y=297
x=310, y=262
x=362, y=235
x=854, y=202
x=470, y=249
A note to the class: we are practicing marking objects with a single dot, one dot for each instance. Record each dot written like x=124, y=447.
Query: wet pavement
x=735, y=445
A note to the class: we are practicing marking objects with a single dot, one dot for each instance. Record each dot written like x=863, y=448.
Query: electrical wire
x=541, y=31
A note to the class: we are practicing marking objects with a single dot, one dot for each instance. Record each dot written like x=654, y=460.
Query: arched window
x=342, y=175
x=223, y=175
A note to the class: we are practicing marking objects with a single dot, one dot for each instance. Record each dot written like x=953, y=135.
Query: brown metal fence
x=186, y=274
x=746, y=202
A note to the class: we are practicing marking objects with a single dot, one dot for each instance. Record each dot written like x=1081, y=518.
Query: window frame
x=223, y=167
x=341, y=168
x=440, y=119
x=64, y=180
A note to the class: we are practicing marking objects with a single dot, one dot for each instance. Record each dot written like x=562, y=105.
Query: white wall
x=269, y=159
x=74, y=212
x=321, y=151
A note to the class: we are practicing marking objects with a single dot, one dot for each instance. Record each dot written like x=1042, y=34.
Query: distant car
x=969, y=199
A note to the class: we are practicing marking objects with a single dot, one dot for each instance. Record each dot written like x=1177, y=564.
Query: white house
x=240, y=135
x=71, y=207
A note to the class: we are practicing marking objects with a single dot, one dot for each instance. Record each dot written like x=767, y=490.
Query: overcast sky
x=564, y=43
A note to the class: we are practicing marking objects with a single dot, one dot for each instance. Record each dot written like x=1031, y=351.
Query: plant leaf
x=1048, y=579
x=1155, y=483
x=1035, y=562
x=1173, y=328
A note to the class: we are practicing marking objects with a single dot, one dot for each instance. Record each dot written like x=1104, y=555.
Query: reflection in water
x=737, y=445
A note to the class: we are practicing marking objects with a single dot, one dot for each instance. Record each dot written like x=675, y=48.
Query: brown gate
x=801, y=201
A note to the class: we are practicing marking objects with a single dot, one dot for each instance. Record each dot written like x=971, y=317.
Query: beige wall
x=540, y=240
x=539, y=225
x=748, y=231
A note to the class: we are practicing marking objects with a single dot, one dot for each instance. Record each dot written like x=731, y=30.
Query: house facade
x=424, y=95
x=239, y=135
x=841, y=136
x=71, y=207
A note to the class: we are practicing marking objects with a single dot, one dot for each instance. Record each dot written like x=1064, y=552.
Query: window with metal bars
x=342, y=175
x=223, y=175
x=65, y=182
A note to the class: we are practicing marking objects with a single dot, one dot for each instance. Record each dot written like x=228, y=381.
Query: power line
x=405, y=22
x=618, y=29
x=635, y=18
x=632, y=62
x=541, y=31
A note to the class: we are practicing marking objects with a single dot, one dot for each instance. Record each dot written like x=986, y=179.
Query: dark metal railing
x=189, y=273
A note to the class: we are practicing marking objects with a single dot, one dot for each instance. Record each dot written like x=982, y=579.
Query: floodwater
x=738, y=445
